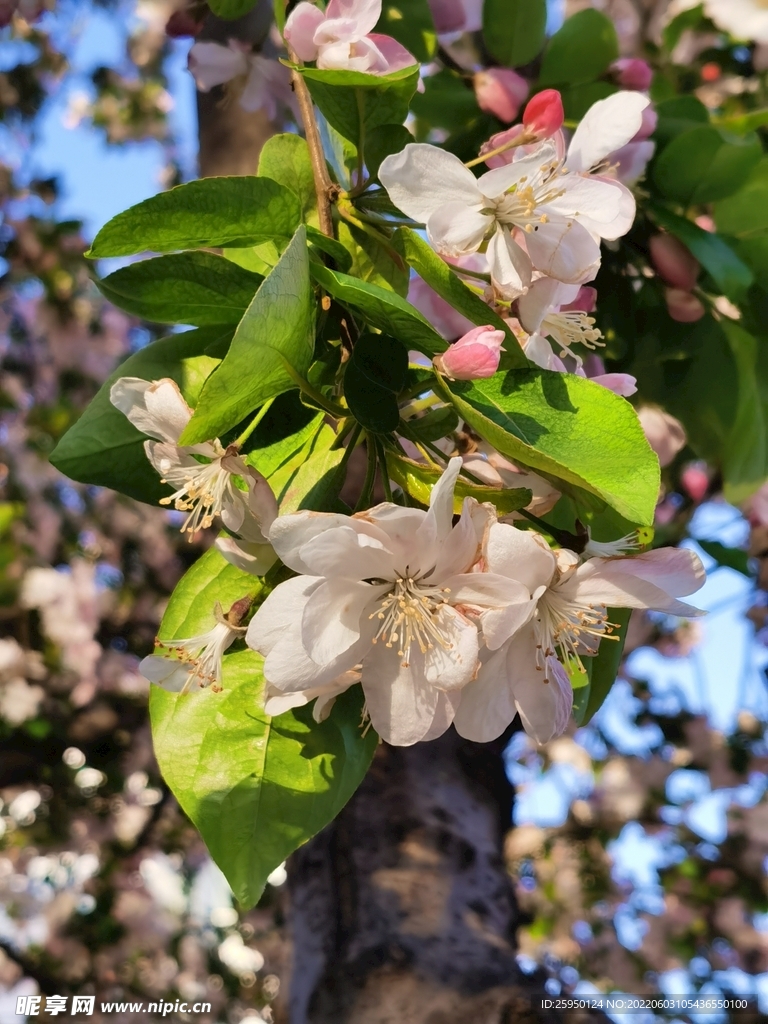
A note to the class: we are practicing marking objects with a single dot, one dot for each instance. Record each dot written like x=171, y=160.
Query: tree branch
x=323, y=183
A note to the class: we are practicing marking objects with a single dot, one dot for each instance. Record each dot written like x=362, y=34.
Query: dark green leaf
x=568, y=429
x=103, y=448
x=277, y=329
x=602, y=669
x=382, y=309
x=285, y=159
x=230, y=10
x=731, y=558
x=184, y=288
x=745, y=454
x=410, y=23
x=513, y=30
x=580, y=51
x=355, y=103
x=579, y=98
x=322, y=244
x=256, y=787
x=373, y=262
x=375, y=374
x=677, y=115
x=704, y=164
x=447, y=101
x=448, y=286
x=435, y=424
x=745, y=213
x=208, y=213
x=383, y=142
x=720, y=261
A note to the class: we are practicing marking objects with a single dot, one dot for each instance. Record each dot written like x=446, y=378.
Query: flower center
x=572, y=328
x=203, y=654
x=567, y=628
x=521, y=206
x=202, y=495
x=409, y=614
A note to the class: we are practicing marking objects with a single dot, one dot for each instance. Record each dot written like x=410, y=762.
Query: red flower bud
x=544, y=114
x=632, y=73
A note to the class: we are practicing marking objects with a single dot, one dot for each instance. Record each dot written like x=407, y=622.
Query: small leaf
x=355, y=103
x=513, y=30
x=448, y=101
x=208, y=213
x=745, y=213
x=720, y=261
x=439, y=276
x=730, y=558
x=569, y=429
x=104, y=448
x=256, y=787
x=602, y=669
x=581, y=51
x=230, y=10
x=435, y=424
x=375, y=374
x=277, y=328
x=704, y=164
x=382, y=309
x=285, y=159
x=372, y=261
x=418, y=479
x=410, y=23
x=184, y=288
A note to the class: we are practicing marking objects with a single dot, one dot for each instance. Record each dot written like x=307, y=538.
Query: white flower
x=744, y=19
x=389, y=589
x=522, y=671
x=197, y=659
x=493, y=469
x=539, y=311
x=265, y=83
x=532, y=213
x=203, y=489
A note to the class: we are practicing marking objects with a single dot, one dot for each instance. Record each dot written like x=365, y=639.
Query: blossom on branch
x=474, y=356
x=342, y=38
x=204, y=489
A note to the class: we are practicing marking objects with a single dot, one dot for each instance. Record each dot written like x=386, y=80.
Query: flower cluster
x=470, y=623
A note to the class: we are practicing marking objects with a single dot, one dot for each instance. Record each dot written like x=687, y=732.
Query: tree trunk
x=402, y=911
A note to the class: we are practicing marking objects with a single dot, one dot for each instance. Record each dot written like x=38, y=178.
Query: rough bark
x=231, y=138
x=402, y=911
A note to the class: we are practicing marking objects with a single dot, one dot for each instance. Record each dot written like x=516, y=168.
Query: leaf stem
x=366, y=494
x=323, y=184
x=254, y=423
x=306, y=388
x=382, y=454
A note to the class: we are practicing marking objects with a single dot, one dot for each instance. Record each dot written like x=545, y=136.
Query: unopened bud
x=674, y=263
x=543, y=116
x=474, y=356
x=182, y=25
x=647, y=125
x=665, y=434
x=683, y=306
x=632, y=73
x=501, y=92
x=695, y=481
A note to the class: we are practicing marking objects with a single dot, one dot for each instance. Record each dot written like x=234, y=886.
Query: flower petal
x=212, y=64
x=170, y=673
x=520, y=555
x=608, y=125
x=364, y=13
x=457, y=229
x=155, y=408
x=348, y=552
x=282, y=608
x=247, y=556
x=487, y=704
x=531, y=166
x=653, y=580
x=423, y=178
x=303, y=21
x=450, y=668
x=565, y=250
x=331, y=620
x=396, y=57
x=510, y=264
x=401, y=703
x=289, y=534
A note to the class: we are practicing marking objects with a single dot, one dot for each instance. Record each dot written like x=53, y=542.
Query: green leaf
x=410, y=23
x=230, y=10
x=277, y=329
x=744, y=123
x=745, y=454
x=375, y=374
x=447, y=102
x=689, y=19
x=434, y=424
x=418, y=479
x=103, y=448
x=317, y=483
x=581, y=51
x=184, y=288
x=704, y=164
x=285, y=159
x=448, y=286
x=602, y=669
x=579, y=98
x=256, y=787
x=513, y=30
x=677, y=115
x=355, y=103
x=208, y=213
x=725, y=268
x=568, y=429
x=382, y=309
x=372, y=261
x=281, y=16
x=383, y=142
x=745, y=213
x=730, y=558
x=330, y=247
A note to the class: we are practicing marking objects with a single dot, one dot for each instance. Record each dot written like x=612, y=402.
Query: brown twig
x=323, y=184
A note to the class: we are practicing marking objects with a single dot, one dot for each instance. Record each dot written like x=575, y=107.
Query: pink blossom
x=456, y=16
x=500, y=91
x=441, y=314
x=665, y=434
x=474, y=356
x=683, y=306
x=543, y=116
x=632, y=73
x=342, y=38
x=673, y=262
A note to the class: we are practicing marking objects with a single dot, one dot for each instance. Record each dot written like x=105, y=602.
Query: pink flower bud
x=544, y=114
x=632, y=73
x=665, y=434
x=683, y=306
x=181, y=24
x=501, y=92
x=475, y=355
x=695, y=481
x=647, y=126
x=674, y=263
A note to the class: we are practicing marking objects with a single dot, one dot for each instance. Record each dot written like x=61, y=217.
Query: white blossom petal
x=155, y=408
x=457, y=229
x=331, y=620
x=510, y=265
x=423, y=178
x=608, y=125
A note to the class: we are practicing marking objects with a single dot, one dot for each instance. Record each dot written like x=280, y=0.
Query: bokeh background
x=638, y=845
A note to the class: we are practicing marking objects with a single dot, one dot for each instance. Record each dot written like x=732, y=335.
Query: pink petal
x=303, y=21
